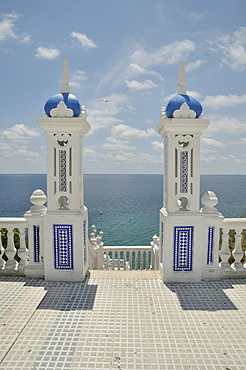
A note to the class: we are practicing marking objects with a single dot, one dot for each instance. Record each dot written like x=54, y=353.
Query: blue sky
x=126, y=52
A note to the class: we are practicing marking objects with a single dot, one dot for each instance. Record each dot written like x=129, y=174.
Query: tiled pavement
x=123, y=324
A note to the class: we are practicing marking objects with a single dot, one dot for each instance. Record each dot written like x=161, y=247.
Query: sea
x=125, y=207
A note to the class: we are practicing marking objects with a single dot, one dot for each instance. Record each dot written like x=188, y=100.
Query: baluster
x=10, y=252
x=151, y=260
x=130, y=260
x=113, y=260
x=121, y=260
x=124, y=260
x=237, y=251
x=225, y=252
x=118, y=264
x=23, y=251
x=136, y=261
x=141, y=256
x=2, y=250
x=105, y=260
x=154, y=256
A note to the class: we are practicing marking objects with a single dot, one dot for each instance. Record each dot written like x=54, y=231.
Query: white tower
x=181, y=222
x=66, y=221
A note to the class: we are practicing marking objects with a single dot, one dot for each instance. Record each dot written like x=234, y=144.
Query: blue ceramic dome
x=69, y=99
x=178, y=100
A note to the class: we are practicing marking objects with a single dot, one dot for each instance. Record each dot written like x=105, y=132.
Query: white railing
x=122, y=257
x=13, y=258
x=233, y=246
x=127, y=258
x=232, y=252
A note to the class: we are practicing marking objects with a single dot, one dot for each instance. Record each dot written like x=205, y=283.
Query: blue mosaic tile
x=210, y=244
x=62, y=171
x=36, y=242
x=183, y=246
x=63, y=247
x=84, y=242
x=184, y=172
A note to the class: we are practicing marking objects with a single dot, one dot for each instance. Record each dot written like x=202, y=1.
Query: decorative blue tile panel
x=62, y=170
x=84, y=240
x=210, y=244
x=184, y=172
x=63, y=247
x=162, y=242
x=36, y=243
x=183, y=246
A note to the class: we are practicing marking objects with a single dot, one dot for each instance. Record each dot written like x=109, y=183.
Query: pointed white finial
x=181, y=81
x=65, y=88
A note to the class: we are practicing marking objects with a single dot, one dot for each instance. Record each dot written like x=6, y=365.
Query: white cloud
x=11, y=150
x=140, y=70
x=138, y=59
x=206, y=142
x=25, y=153
x=88, y=152
x=194, y=65
x=8, y=30
x=25, y=38
x=5, y=146
x=230, y=160
x=218, y=101
x=148, y=121
x=118, y=145
x=129, y=132
x=104, y=111
x=233, y=49
x=157, y=145
x=194, y=16
x=194, y=94
x=99, y=120
x=77, y=77
x=136, y=85
x=129, y=157
x=47, y=53
x=84, y=40
x=20, y=132
x=166, y=55
x=7, y=27
x=161, y=11
x=226, y=125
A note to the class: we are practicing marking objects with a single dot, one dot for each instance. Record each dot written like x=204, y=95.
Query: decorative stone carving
x=38, y=198
x=184, y=141
x=209, y=200
x=184, y=112
x=61, y=111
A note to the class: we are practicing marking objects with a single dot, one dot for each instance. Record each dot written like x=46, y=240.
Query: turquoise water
x=129, y=204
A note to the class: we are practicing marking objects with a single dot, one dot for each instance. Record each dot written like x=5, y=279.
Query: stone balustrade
x=122, y=257
x=233, y=246
x=13, y=259
x=127, y=258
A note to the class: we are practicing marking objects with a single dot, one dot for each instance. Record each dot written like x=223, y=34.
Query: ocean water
x=129, y=204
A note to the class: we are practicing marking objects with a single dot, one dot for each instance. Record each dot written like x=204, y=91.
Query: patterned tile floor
x=122, y=324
